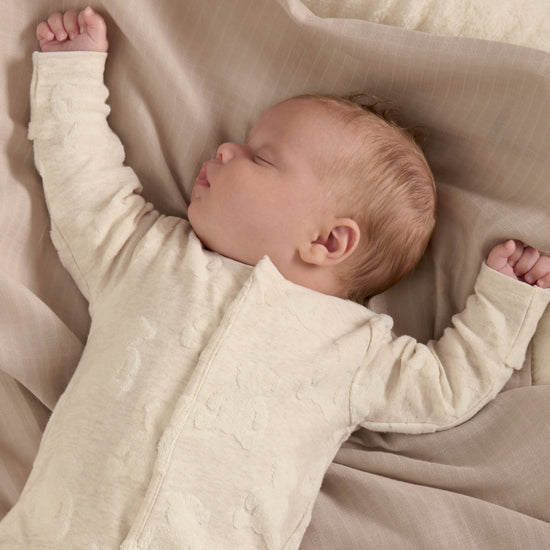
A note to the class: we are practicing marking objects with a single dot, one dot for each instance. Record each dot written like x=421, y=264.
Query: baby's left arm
x=523, y=263
x=409, y=387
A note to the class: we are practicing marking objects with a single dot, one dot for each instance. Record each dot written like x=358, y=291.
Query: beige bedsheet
x=186, y=75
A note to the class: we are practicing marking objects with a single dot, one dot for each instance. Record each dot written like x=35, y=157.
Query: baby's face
x=263, y=197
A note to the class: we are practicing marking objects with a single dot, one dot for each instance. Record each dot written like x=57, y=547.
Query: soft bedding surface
x=185, y=76
x=526, y=23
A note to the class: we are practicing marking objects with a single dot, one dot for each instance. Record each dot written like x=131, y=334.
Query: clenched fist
x=71, y=31
x=521, y=262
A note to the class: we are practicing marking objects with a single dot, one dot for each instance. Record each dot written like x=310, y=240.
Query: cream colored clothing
x=212, y=396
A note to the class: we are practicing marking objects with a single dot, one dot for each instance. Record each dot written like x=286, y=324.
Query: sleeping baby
x=229, y=355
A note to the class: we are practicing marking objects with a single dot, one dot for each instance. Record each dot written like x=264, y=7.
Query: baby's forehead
x=305, y=124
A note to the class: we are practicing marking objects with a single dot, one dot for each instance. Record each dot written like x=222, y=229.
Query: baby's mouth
x=201, y=178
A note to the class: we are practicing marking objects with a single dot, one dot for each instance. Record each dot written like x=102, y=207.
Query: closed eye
x=260, y=160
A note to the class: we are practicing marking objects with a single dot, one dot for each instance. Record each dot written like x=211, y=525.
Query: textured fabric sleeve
x=410, y=387
x=92, y=197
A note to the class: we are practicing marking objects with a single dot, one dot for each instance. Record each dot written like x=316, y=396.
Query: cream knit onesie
x=212, y=396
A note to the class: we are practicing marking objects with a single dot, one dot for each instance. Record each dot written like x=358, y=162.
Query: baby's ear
x=334, y=245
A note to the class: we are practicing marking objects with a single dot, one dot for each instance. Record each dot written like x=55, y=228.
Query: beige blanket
x=185, y=76
x=523, y=22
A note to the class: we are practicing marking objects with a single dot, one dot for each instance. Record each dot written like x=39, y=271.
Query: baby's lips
x=201, y=178
x=202, y=173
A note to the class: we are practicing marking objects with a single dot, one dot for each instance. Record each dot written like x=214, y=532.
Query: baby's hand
x=73, y=31
x=523, y=263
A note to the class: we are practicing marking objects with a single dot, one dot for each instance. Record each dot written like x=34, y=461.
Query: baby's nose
x=228, y=151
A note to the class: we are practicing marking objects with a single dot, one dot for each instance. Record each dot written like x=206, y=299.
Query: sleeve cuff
x=513, y=297
x=54, y=65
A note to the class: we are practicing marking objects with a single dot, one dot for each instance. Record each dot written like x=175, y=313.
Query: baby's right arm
x=95, y=209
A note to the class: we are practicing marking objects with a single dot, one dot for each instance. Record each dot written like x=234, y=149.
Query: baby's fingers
x=527, y=261
x=516, y=253
x=540, y=273
x=94, y=25
x=81, y=22
x=504, y=255
x=55, y=21
x=70, y=22
x=73, y=31
x=44, y=33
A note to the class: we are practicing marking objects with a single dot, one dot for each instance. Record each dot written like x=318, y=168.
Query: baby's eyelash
x=258, y=158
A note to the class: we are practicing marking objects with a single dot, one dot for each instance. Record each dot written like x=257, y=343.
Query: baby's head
x=341, y=200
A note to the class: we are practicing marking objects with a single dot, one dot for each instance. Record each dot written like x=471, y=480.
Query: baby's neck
x=321, y=279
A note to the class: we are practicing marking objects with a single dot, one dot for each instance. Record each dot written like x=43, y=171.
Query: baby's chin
x=202, y=234
x=194, y=214
x=215, y=240
x=196, y=225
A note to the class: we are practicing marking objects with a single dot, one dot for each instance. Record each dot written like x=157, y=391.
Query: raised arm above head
x=92, y=197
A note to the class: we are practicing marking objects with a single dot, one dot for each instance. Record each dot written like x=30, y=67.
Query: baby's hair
x=388, y=190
